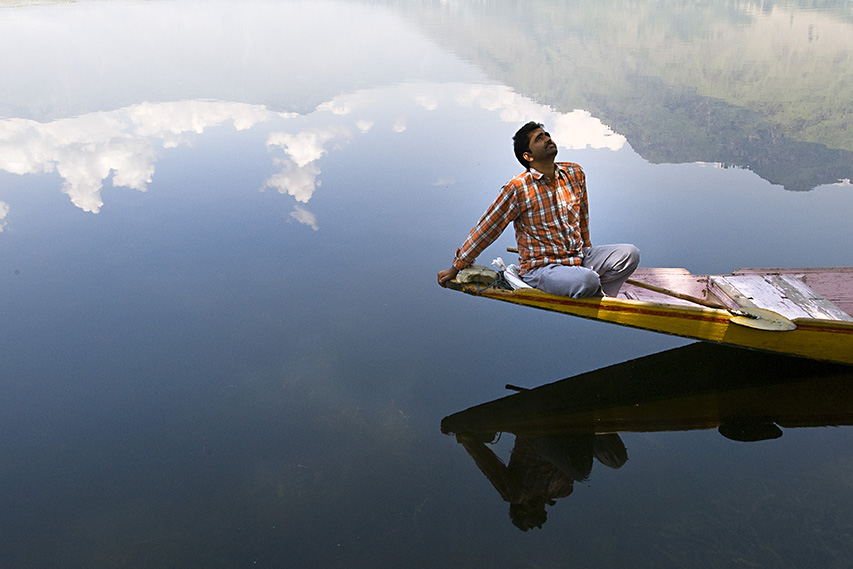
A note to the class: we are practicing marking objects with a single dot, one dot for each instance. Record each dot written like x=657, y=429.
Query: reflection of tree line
x=686, y=127
x=640, y=90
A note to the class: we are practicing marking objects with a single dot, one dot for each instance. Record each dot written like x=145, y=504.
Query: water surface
x=223, y=341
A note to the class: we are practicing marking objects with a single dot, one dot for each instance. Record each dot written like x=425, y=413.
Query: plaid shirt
x=536, y=477
x=528, y=476
x=551, y=222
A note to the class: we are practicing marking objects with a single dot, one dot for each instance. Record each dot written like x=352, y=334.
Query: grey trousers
x=604, y=269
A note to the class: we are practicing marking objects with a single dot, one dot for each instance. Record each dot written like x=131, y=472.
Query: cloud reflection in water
x=123, y=145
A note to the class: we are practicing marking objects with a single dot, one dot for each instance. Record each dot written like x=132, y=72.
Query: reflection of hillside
x=681, y=126
x=766, y=90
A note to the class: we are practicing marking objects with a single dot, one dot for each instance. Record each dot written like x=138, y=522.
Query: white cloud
x=339, y=107
x=428, y=102
x=85, y=151
x=350, y=102
x=130, y=161
x=304, y=217
x=161, y=119
x=297, y=181
x=306, y=146
x=299, y=175
x=89, y=149
x=576, y=129
x=579, y=129
x=4, y=211
x=123, y=145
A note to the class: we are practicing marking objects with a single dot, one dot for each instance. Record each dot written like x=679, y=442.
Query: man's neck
x=546, y=168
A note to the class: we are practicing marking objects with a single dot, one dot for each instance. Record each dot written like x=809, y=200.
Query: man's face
x=541, y=146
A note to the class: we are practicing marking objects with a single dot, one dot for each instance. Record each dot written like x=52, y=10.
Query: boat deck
x=799, y=312
x=823, y=293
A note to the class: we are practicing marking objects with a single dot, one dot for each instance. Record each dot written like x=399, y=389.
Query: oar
x=751, y=317
x=681, y=295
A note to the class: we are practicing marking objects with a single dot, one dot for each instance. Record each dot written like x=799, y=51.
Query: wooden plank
x=833, y=283
x=676, y=279
x=807, y=299
x=730, y=294
x=783, y=294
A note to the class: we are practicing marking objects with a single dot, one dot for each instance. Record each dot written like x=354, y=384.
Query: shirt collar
x=538, y=175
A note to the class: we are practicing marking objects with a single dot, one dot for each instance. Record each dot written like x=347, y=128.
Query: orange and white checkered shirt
x=551, y=221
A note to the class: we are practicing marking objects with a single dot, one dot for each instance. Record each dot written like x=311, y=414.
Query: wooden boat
x=799, y=312
x=746, y=395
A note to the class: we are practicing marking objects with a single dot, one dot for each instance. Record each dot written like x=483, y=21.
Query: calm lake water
x=223, y=343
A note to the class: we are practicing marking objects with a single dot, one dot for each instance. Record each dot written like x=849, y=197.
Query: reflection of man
x=542, y=469
x=547, y=205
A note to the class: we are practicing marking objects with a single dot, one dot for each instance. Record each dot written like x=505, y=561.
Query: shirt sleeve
x=493, y=222
x=584, y=219
x=495, y=470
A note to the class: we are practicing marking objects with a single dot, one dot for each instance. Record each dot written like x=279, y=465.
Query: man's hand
x=447, y=275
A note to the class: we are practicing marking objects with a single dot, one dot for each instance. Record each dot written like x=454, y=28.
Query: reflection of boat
x=746, y=395
x=560, y=427
x=801, y=312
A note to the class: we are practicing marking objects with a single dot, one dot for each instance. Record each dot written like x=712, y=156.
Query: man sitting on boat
x=547, y=205
x=543, y=469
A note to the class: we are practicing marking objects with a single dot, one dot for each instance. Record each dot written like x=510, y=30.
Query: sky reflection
x=224, y=345
x=123, y=145
x=76, y=58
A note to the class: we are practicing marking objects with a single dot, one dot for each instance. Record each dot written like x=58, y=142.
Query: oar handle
x=681, y=295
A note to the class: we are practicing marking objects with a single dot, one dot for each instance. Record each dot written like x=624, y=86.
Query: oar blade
x=761, y=319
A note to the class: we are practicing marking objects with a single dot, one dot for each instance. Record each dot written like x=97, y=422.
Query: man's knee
x=579, y=282
x=589, y=284
x=631, y=254
x=563, y=280
x=625, y=259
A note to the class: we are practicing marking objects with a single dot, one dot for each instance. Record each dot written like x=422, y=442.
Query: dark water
x=223, y=344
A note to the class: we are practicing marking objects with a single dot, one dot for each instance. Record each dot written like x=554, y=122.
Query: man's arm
x=447, y=275
x=584, y=212
x=488, y=229
x=494, y=469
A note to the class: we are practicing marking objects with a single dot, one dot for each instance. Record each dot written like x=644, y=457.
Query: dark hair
x=528, y=515
x=521, y=142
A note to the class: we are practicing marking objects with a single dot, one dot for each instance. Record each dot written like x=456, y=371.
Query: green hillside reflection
x=765, y=86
